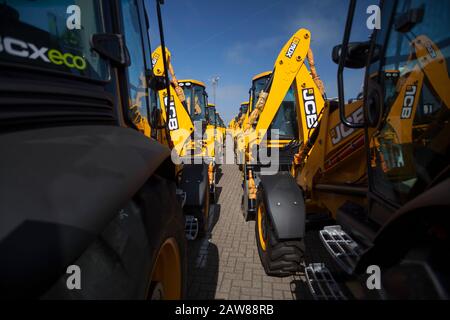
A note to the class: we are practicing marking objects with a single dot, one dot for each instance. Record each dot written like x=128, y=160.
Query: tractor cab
x=243, y=112
x=220, y=122
x=201, y=147
x=244, y=108
x=211, y=114
x=196, y=104
x=284, y=128
x=73, y=89
x=196, y=99
x=285, y=122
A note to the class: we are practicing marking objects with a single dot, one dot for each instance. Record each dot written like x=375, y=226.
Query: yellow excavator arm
x=178, y=120
x=426, y=63
x=139, y=121
x=289, y=69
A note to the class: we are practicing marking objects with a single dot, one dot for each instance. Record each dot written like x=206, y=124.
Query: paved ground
x=226, y=265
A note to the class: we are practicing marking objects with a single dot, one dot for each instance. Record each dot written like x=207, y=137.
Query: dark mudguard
x=285, y=205
x=59, y=189
x=194, y=181
x=248, y=205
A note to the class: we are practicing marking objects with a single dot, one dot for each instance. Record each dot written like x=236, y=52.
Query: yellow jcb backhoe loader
x=182, y=127
x=231, y=123
x=83, y=194
x=243, y=113
x=211, y=138
x=238, y=120
x=237, y=129
x=221, y=128
x=371, y=177
x=274, y=124
x=201, y=147
x=216, y=126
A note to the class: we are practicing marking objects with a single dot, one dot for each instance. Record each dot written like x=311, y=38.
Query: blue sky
x=237, y=39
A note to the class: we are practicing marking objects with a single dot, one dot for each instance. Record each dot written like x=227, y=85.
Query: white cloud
x=324, y=31
x=326, y=25
x=236, y=54
x=243, y=52
x=229, y=98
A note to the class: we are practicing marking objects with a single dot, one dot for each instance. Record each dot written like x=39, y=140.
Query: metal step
x=191, y=227
x=341, y=246
x=321, y=283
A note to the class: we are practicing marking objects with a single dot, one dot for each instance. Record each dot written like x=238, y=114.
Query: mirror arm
x=163, y=49
x=342, y=58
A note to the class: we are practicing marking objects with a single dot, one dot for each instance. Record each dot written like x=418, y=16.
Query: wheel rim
x=157, y=293
x=262, y=227
x=166, y=275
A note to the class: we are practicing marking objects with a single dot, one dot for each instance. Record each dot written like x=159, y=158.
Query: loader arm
x=430, y=66
x=287, y=65
x=178, y=121
x=141, y=122
x=402, y=114
x=289, y=69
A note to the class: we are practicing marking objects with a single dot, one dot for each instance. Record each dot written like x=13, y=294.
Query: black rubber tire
x=203, y=215
x=118, y=263
x=280, y=258
x=163, y=200
x=173, y=231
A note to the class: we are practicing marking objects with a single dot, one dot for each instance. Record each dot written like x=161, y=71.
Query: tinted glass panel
x=54, y=35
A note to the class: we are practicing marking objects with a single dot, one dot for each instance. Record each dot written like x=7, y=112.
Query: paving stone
x=228, y=266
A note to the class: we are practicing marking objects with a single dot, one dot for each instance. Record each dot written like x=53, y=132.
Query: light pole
x=215, y=83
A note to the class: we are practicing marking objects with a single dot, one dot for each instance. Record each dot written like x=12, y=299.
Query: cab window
x=285, y=120
x=198, y=111
x=139, y=91
x=42, y=35
x=258, y=86
x=212, y=115
x=412, y=147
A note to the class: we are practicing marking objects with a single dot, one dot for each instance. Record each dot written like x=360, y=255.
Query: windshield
x=195, y=100
x=257, y=87
x=244, y=108
x=412, y=147
x=220, y=121
x=187, y=89
x=212, y=115
x=285, y=120
x=52, y=35
x=199, y=101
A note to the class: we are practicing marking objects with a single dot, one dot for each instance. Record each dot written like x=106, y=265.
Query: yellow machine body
x=179, y=123
x=290, y=80
x=338, y=156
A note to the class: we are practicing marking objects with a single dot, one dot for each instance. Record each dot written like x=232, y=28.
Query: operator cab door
x=140, y=100
x=196, y=102
x=286, y=119
x=410, y=149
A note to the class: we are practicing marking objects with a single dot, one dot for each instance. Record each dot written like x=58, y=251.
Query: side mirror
x=357, y=53
x=157, y=83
